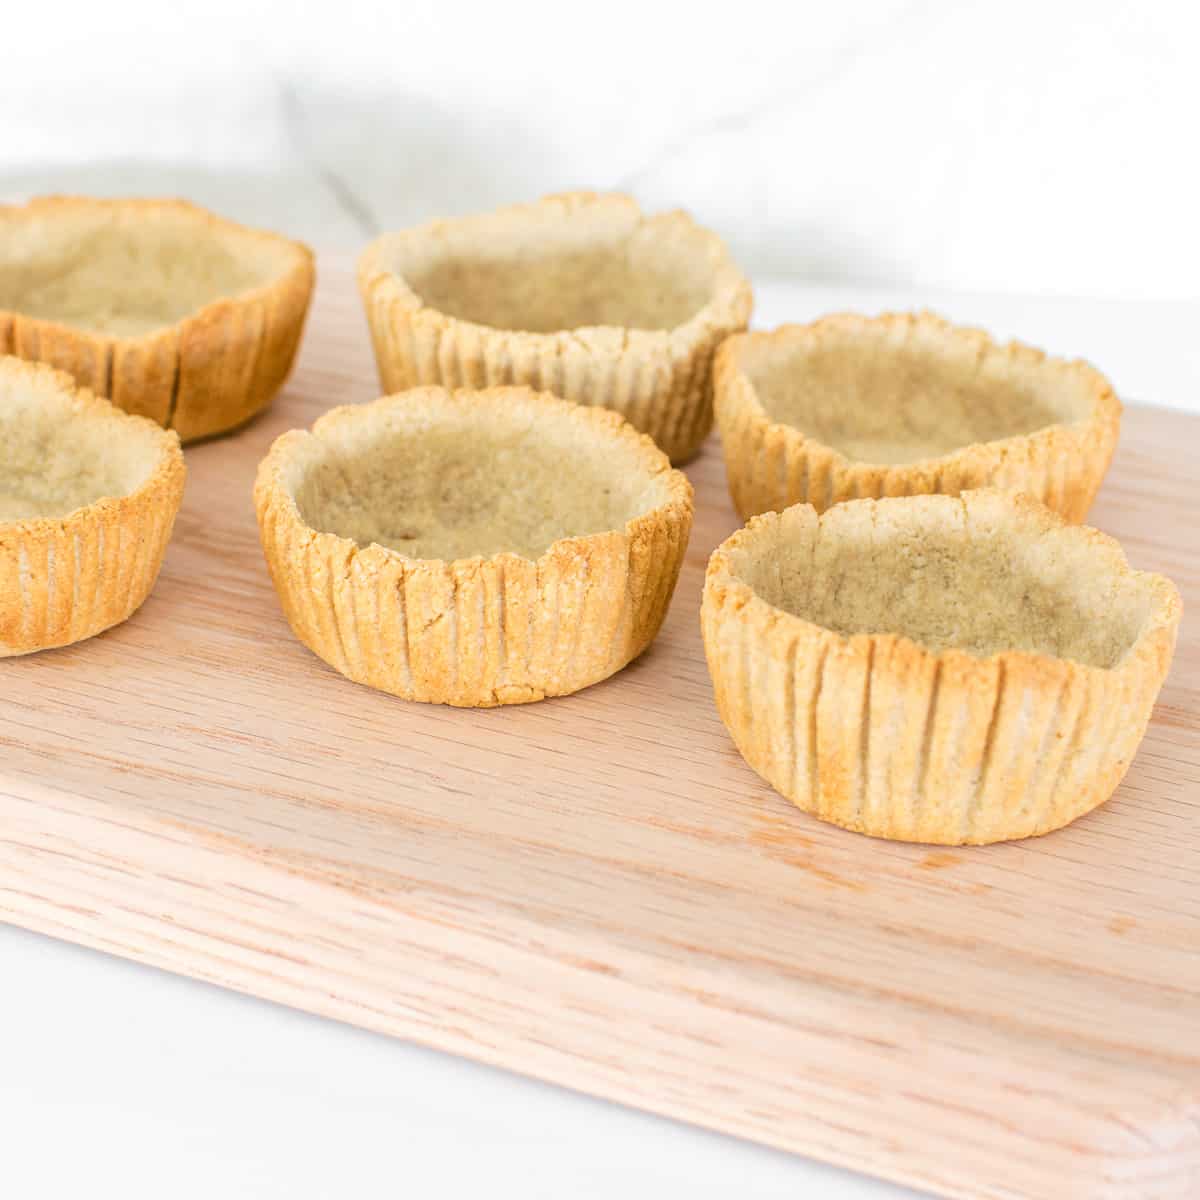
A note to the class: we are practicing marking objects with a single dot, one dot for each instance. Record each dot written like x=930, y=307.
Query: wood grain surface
x=596, y=890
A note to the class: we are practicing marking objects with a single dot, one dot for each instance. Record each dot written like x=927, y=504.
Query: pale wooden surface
x=596, y=890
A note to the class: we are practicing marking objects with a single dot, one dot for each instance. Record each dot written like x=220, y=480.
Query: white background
x=1030, y=166
x=1039, y=146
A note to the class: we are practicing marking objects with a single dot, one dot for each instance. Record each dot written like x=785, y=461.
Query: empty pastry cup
x=473, y=548
x=169, y=311
x=580, y=294
x=936, y=669
x=88, y=497
x=907, y=404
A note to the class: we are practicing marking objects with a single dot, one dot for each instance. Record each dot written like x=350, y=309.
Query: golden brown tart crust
x=473, y=548
x=907, y=404
x=577, y=294
x=936, y=669
x=168, y=310
x=88, y=497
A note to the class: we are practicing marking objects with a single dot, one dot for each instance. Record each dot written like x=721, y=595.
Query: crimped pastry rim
x=1165, y=611
x=1105, y=411
x=728, y=302
x=168, y=468
x=269, y=486
x=302, y=258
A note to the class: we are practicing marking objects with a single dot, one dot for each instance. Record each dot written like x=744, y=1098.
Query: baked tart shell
x=884, y=735
x=69, y=576
x=484, y=630
x=659, y=378
x=201, y=373
x=1060, y=459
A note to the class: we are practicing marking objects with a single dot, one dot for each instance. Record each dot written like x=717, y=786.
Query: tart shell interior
x=56, y=460
x=462, y=481
x=949, y=575
x=121, y=272
x=596, y=266
x=879, y=396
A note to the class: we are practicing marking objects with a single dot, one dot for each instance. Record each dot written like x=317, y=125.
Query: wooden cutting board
x=597, y=891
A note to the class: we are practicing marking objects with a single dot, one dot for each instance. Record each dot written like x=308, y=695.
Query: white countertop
x=110, y=1071
x=119, y=1079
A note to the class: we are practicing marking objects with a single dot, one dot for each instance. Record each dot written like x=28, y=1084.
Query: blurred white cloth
x=1032, y=148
